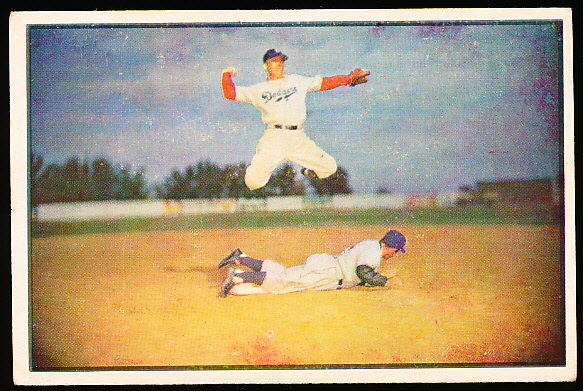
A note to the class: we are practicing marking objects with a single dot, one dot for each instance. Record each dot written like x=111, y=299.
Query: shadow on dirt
x=212, y=274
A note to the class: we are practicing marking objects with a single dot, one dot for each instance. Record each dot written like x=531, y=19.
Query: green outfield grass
x=509, y=214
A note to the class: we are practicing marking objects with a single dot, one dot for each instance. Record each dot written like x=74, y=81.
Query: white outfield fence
x=103, y=210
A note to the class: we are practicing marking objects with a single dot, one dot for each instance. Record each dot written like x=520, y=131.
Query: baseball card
x=292, y=196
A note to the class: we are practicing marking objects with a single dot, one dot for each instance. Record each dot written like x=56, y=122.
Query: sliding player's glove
x=369, y=276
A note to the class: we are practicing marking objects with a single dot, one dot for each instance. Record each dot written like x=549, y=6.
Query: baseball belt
x=288, y=127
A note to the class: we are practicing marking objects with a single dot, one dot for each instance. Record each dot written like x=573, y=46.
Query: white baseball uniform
x=282, y=104
x=318, y=272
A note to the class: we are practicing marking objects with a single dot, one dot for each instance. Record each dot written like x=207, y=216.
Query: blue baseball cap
x=271, y=53
x=395, y=239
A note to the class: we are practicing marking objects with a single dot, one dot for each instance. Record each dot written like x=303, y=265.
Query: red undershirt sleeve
x=331, y=82
x=227, y=86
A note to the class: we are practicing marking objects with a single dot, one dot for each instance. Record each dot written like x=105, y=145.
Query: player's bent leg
x=269, y=153
x=272, y=267
x=246, y=288
x=259, y=171
x=312, y=157
x=322, y=171
x=327, y=167
x=274, y=276
x=255, y=180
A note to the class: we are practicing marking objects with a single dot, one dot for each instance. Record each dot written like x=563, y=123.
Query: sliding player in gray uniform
x=282, y=103
x=354, y=266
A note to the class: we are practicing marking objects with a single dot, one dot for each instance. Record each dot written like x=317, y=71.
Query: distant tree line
x=101, y=180
x=83, y=181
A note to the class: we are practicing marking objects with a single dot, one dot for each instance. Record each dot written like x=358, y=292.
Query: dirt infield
x=477, y=294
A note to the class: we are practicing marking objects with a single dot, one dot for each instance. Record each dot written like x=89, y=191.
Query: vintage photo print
x=299, y=196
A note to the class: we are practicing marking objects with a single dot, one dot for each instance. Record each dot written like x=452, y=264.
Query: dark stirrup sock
x=251, y=263
x=253, y=277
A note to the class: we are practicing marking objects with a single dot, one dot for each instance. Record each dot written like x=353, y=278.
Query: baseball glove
x=358, y=76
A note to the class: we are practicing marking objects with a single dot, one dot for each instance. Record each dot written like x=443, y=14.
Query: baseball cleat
x=309, y=173
x=227, y=283
x=232, y=259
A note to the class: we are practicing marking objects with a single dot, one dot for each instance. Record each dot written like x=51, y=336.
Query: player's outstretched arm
x=331, y=82
x=227, y=84
x=355, y=77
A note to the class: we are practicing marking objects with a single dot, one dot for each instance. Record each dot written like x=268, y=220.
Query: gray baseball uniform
x=318, y=272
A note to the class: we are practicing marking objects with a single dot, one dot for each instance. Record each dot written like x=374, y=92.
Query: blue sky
x=446, y=105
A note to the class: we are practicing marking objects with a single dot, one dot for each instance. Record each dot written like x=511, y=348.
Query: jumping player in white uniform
x=282, y=103
x=354, y=266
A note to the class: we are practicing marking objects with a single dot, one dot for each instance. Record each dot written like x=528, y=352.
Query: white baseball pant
x=278, y=145
x=318, y=272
